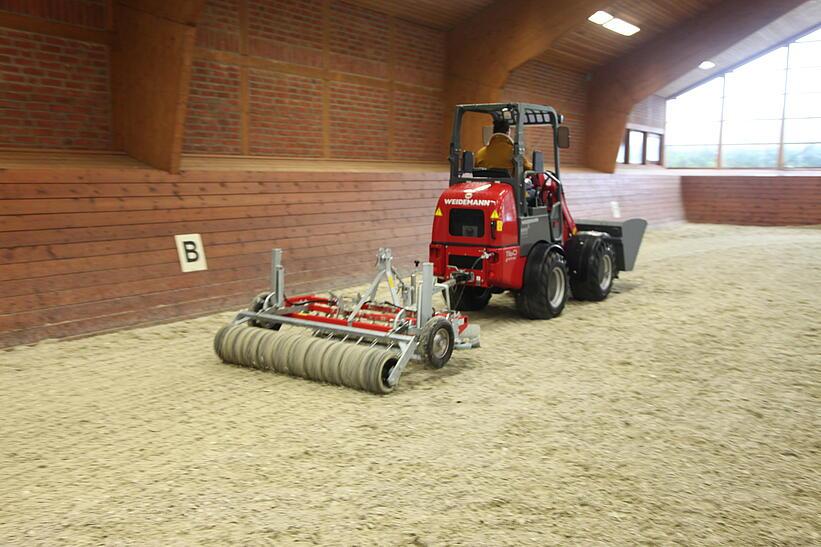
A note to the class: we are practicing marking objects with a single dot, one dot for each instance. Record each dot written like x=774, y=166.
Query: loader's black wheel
x=256, y=305
x=594, y=278
x=436, y=342
x=545, y=288
x=464, y=298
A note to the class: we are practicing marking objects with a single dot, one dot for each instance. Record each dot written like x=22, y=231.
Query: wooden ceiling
x=441, y=14
x=584, y=47
x=590, y=45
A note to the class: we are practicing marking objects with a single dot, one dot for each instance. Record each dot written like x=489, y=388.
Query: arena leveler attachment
x=362, y=343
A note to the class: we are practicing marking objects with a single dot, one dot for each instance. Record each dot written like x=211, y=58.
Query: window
x=640, y=147
x=763, y=114
x=467, y=223
x=692, y=140
x=652, y=152
x=635, y=147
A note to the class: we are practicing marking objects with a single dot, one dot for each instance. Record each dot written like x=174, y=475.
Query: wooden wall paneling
x=151, y=70
x=89, y=250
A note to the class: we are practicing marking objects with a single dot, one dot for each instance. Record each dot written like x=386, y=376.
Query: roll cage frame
x=530, y=114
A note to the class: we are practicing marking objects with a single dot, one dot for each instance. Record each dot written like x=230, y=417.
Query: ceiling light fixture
x=706, y=65
x=621, y=26
x=600, y=17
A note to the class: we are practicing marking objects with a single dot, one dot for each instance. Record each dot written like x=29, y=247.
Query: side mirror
x=563, y=137
x=538, y=161
x=468, y=162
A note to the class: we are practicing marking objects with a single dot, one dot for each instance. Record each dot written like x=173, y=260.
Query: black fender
x=577, y=252
x=545, y=247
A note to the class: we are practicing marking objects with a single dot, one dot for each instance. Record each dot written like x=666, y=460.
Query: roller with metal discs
x=312, y=358
x=362, y=343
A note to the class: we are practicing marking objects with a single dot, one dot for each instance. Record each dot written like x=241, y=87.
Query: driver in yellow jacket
x=498, y=154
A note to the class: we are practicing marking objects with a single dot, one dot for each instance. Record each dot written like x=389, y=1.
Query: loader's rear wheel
x=545, y=288
x=464, y=298
x=594, y=281
x=256, y=305
x=436, y=342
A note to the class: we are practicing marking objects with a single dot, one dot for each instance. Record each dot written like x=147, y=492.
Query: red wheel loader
x=510, y=229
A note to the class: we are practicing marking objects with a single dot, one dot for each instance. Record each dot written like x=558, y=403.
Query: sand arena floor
x=684, y=409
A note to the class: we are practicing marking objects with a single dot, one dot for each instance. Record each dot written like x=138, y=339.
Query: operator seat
x=498, y=154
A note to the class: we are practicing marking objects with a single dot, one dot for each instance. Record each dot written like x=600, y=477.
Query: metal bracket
x=277, y=277
x=407, y=351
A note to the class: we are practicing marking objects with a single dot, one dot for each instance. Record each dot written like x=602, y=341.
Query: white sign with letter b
x=191, y=252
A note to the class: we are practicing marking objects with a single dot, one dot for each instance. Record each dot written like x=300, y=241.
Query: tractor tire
x=593, y=280
x=465, y=298
x=256, y=305
x=436, y=342
x=545, y=288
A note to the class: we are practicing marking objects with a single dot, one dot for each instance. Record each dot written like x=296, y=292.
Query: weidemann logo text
x=474, y=202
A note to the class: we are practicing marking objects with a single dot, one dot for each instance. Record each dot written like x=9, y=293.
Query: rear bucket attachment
x=626, y=236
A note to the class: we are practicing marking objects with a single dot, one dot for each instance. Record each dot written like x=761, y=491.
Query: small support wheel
x=594, y=279
x=464, y=298
x=256, y=305
x=436, y=342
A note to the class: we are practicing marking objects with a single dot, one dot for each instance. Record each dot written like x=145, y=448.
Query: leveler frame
x=397, y=324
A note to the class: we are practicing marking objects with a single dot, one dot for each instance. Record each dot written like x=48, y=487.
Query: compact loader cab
x=510, y=229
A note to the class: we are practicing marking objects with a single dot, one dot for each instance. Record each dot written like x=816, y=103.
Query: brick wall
x=213, y=123
x=769, y=200
x=565, y=90
x=375, y=79
x=219, y=25
x=54, y=93
x=285, y=114
x=287, y=30
x=416, y=117
x=360, y=117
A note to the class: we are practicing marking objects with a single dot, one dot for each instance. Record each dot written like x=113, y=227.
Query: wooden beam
x=618, y=86
x=485, y=48
x=185, y=12
x=150, y=73
x=52, y=28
